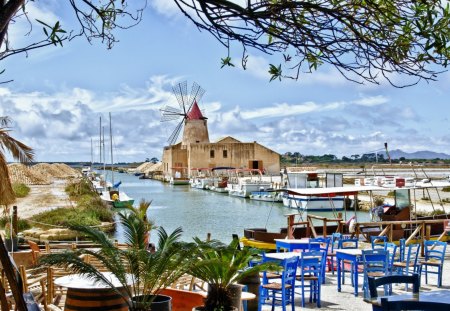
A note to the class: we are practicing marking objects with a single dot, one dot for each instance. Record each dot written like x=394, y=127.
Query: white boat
x=179, y=176
x=303, y=182
x=201, y=178
x=116, y=198
x=221, y=177
x=100, y=184
x=267, y=196
x=245, y=181
x=113, y=196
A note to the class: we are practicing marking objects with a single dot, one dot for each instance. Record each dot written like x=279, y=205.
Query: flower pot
x=12, y=244
x=159, y=303
x=234, y=292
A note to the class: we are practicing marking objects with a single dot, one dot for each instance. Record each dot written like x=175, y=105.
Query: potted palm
x=223, y=266
x=142, y=274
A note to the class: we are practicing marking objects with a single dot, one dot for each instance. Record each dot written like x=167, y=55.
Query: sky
x=58, y=95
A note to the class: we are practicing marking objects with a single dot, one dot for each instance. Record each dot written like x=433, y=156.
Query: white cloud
x=167, y=8
x=371, y=101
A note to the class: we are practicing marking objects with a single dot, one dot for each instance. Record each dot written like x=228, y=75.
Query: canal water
x=199, y=212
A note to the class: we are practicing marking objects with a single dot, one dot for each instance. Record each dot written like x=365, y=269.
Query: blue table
x=353, y=255
x=291, y=244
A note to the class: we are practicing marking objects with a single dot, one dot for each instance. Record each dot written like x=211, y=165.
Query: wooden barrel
x=94, y=300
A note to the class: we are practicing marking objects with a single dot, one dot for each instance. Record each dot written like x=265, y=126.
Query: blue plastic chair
x=434, y=257
x=378, y=241
x=375, y=264
x=409, y=264
x=324, y=247
x=392, y=249
x=402, y=249
x=281, y=291
x=311, y=268
x=347, y=243
x=331, y=255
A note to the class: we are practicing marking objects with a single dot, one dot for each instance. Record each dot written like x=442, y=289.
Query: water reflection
x=201, y=212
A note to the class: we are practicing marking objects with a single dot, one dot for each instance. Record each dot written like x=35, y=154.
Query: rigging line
x=268, y=216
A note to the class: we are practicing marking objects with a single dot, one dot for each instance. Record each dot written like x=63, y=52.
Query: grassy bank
x=89, y=209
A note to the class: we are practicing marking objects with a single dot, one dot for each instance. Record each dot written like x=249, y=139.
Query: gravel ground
x=42, y=198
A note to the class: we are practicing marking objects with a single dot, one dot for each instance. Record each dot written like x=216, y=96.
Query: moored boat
x=245, y=181
x=267, y=195
x=179, y=176
x=304, y=199
x=116, y=198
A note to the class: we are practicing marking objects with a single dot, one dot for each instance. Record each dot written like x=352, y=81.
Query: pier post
x=14, y=224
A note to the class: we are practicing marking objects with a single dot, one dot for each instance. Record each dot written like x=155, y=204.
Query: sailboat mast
x=92, y=153
x=104, y=158
x=111, y=145
x=100, y=141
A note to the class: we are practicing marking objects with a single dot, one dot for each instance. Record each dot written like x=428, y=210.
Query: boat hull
x=267, y=196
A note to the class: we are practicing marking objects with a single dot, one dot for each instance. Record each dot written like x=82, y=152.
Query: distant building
x=196, y=151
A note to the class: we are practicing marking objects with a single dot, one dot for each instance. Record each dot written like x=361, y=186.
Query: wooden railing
x=421, y=232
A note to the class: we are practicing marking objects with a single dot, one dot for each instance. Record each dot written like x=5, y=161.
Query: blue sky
x=58, y=95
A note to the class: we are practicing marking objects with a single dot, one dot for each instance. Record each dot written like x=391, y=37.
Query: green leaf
x=227, y=62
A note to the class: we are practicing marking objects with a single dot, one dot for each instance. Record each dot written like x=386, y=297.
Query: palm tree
x=222, y=266
x=19, y=151
x=149, y=272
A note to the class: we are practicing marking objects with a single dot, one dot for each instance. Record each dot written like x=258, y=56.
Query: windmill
x=186, y=103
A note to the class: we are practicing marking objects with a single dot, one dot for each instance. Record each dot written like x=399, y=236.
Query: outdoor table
x=353, y=255
x=434, y=295
x=86, y=293
x=292, y=244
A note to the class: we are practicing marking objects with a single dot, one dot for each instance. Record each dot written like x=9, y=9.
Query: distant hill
x=425, y=154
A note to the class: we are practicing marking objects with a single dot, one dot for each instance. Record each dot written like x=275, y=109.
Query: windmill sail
x=185, y=102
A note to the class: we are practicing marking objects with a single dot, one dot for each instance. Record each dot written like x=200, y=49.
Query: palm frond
x=18, y=150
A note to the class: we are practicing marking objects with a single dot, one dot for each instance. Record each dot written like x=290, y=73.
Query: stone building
x=196, y=151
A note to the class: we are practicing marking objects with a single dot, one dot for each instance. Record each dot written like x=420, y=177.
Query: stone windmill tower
x=192, y=120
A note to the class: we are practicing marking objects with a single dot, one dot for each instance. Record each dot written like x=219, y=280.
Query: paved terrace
x=346, y=300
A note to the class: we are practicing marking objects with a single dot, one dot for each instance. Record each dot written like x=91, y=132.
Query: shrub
x=22, y=224
x=79, y=188
x=20, y=190
x=88, y=216
x=446, y=189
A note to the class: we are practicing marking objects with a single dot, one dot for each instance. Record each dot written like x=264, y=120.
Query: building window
x=211, y=153
x=225, y=154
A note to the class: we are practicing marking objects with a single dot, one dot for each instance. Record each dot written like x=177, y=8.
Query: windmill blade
x=170, y=113
x=196, y=94
x=180, y=91
x=174, y=136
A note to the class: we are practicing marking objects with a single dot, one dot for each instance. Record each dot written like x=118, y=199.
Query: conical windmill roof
x=195, y=113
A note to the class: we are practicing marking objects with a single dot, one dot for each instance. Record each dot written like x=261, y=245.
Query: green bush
x=79, y=188
x=22, y=224
x=20, y=190
x=446, y=189
x=87, y=216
